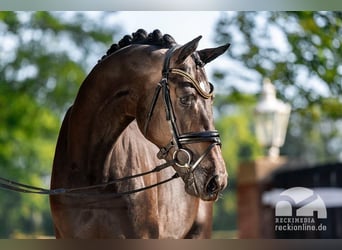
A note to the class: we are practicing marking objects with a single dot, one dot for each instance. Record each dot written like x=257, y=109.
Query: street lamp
x=271, y=120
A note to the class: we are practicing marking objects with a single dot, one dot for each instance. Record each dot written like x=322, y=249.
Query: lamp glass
x=271, y=119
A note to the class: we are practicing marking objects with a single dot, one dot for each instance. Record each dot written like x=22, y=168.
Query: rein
x=23, y=188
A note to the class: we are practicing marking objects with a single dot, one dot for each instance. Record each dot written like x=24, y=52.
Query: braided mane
x=142, y=37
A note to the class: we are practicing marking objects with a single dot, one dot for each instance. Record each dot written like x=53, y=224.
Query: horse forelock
x=197, y=59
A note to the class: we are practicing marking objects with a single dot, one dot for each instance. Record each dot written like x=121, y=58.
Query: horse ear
x=207, y=55
x=181, y=53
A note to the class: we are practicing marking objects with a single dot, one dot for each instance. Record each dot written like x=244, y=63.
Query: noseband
x=182, y=156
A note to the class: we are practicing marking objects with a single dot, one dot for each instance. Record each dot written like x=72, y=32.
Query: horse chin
x=210, y=197
x=192, y=189
x=203, y=196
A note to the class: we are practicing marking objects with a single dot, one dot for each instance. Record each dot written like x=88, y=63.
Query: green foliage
x=44, y=58
x=236, y=130
x=27, y=138
x=301, y=53
x=238, y=145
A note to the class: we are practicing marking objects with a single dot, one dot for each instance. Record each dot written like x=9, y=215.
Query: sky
x=182, y=25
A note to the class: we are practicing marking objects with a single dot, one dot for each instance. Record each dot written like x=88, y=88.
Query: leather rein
x=182, y=157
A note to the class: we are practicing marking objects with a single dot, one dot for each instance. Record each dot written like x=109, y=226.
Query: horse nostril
x=212, y=185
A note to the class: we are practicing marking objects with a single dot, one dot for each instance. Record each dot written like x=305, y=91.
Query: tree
x=301, y=53
x=44, y=58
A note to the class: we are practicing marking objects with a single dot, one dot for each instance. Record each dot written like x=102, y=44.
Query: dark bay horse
x=147, y=97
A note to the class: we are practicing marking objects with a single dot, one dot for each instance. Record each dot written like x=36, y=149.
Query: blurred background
x=44, y=57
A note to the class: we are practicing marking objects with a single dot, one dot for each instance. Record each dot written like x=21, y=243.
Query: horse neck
x=103, y=108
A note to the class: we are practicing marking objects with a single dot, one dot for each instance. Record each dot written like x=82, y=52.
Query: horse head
x=176, y=115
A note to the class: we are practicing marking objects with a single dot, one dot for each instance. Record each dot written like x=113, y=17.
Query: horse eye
x=186, y=100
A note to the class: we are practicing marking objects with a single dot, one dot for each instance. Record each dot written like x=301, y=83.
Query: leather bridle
x=182, y=156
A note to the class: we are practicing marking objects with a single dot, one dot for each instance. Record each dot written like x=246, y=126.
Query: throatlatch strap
x=153, y=104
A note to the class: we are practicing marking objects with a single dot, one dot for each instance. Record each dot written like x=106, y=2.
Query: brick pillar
x=250, y=178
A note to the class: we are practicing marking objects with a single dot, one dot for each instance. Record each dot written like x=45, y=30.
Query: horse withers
x=147, y=103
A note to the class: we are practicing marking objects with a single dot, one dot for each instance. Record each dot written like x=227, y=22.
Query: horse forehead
x=200, y=75
x=195, y=68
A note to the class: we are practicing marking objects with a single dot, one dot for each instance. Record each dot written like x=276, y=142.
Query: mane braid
x=141, y=37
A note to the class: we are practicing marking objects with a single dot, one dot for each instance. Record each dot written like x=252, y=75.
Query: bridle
x=182, y=156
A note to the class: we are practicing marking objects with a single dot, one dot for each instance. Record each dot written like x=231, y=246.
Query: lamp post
x=271, y=120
